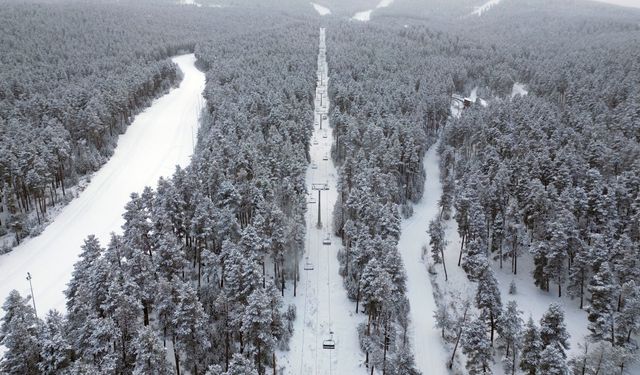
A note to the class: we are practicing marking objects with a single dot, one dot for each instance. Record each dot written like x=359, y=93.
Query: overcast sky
x=629, y=3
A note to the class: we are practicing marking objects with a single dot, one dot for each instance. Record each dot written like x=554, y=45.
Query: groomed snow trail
x=321, y=302
x=160, y=137
x=428, y=347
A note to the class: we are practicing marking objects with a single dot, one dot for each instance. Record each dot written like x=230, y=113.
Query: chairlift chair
x=325, y=157
x=308, y=266
x=314, y=166
x=329, y=343
x=327, y=240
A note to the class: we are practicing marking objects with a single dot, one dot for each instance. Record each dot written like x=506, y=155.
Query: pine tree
x=475, y=261
x=488, y=299
x=556, y=253
x=19, y=334
x=438, y=244
x=531, y=348
x=628, y=320
x=552, y=361
x=553, y=330
x=151, y=356
x=477, y=347
x=55, y=351
x=510, y=335
x=603, y=305
x=257, y=326
x=579, y=273
x=191, y=336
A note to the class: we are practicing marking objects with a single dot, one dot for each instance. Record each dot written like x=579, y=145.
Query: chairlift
x=327, y=240
x=312, y=200
x=314, y=166
x=315, y=141
x=329, y=343
x=308, y=266
x=324, y=135
x=325, y=157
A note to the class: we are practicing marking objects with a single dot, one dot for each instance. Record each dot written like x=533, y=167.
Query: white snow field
x=518, y=89
x=485, y=7
x=365, y=15
x=428, y=347
x=160, y=137
x=322, y=10
x=321, y=303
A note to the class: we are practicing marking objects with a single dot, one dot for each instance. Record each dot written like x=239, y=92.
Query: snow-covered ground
x=428, y=347
x=473, y=96
x=365, y=15
x=322, y=10
x=191, y=2
x=159, y=138
x=321, y=303
x=518, y=89
x=485, y=7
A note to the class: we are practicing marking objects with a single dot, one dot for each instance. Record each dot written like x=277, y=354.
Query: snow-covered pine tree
x=151, y=356
x=553, y=330
x=488, y=299
x=509, y=327
x=531, y=348
x=55, y=349
x=603, y=300
x=552, y=361
x=628, y=319
x=438, y=243
x=20, y=335
x=477, y=347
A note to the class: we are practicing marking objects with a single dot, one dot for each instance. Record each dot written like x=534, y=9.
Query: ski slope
x=428, y=347
x=322, y=10
x=159, y=138
x=321, y=303
x=485, y=7
x=365, y=15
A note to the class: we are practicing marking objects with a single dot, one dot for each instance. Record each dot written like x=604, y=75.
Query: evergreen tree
x=488, y=299
x=552, y=361
x=438, y=243
x=19, y=334
x=510, y=335
x=553, y=330
x=531, y=348
x=628, y=320
x=151, y=356
x=603, y=304
x=477, y=347
x=56, y=350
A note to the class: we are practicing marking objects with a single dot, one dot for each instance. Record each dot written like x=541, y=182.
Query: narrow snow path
x=321, y=303
x=159, y=138
x=427, y=344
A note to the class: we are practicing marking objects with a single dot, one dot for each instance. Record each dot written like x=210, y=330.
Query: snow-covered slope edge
x=159, y=138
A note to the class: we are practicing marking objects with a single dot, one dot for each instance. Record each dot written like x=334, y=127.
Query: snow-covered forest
x=476, y=165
